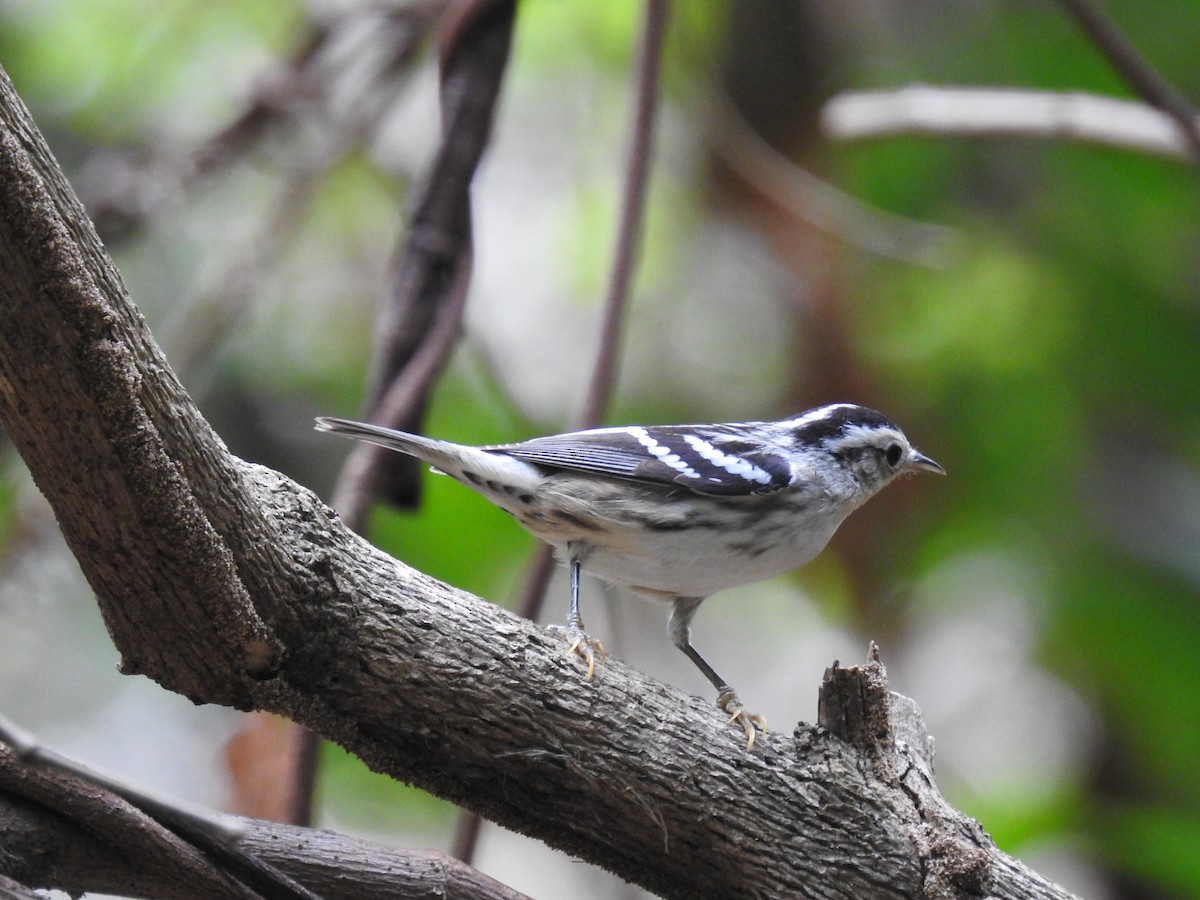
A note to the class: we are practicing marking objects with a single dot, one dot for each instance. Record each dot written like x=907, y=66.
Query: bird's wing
x=718, y=459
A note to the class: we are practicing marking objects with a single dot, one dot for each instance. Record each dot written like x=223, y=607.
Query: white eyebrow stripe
x=734, y=465
x=815, y=415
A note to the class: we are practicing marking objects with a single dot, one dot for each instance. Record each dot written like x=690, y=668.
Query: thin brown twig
x=633, y=205
x=304, y=781
x=1135, y=68
x=541, y=567
x=466, y=836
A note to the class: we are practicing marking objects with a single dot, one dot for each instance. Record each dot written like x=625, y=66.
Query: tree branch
x=989, y=112
x=231, y=584
x=66, y=828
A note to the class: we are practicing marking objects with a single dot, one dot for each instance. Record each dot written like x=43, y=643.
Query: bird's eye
x=894, y=453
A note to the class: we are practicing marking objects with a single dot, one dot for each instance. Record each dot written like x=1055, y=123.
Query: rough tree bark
x=73, y=833
x=231, y=584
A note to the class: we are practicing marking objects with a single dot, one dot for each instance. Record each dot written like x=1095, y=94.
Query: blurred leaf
x=121, y=66
x=1118, y=626
x=352, y=793
x=1155, y=843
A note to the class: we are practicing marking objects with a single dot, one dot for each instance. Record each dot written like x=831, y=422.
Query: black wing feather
x=718, y=460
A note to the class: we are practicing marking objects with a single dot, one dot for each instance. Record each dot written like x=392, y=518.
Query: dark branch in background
x=1135, y=69
x=113, y=836
x=604, y=370
x=434, y=263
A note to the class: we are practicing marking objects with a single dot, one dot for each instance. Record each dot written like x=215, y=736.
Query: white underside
x=687, y=564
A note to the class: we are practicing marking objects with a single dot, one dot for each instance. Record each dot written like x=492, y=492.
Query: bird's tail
x=485, y=471
x=416, y=445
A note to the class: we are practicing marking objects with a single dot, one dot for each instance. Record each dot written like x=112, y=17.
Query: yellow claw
x=587, y=648
x=751, y=722
x=748, y=723
x=586, y=653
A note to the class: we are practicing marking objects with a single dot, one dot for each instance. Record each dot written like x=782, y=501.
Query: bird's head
x=863, y=442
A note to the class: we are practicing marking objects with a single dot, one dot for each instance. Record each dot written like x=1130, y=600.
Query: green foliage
x=351, y=793
x=1154, y=843
x=1119, y=622
x=128, y=66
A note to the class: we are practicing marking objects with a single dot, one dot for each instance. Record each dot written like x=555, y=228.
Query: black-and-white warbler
x=677, y=512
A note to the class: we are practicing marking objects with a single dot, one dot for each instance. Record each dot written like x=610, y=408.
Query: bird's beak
x=921, y=462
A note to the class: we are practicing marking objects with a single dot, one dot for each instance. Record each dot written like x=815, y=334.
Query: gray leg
x=579, y=640
x=680, y=629
x=574, y=619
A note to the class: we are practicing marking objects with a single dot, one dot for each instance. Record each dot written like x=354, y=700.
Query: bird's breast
x=693, y=556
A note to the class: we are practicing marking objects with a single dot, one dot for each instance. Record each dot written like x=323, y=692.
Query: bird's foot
x=751, y=723
x=579, y=642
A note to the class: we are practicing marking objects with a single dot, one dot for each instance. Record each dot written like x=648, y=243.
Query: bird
x=678, y=512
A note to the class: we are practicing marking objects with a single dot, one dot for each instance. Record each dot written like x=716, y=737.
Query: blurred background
x=1026, y=309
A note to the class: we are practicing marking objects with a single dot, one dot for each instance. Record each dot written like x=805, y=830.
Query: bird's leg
x=680, y=628
x=574, y=619
x=579, y=640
